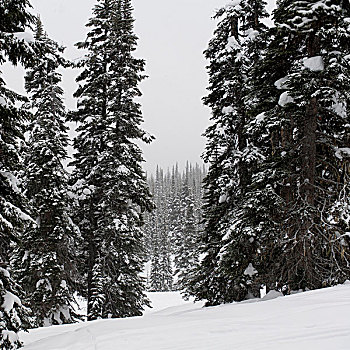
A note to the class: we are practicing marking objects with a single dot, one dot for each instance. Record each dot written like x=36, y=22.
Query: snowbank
x=308, y=321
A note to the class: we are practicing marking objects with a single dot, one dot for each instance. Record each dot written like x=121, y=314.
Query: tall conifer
x=277, y=212
x=228, y=245
x=300, y=129
x=173, y=227
x=45, y=261
x=15, y=48
x=316, y=88
x=112, y=193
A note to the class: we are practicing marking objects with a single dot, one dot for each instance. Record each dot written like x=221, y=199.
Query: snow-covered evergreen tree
x=15, y=48
x=315, y=99
x=161, y=276
x=187, y=236
x=45, y=262
x=299, y=129
x=156, y=273
x=228, y=245
x=240, y=245
x=278, y=151
x=265, y=207
x=112, y=193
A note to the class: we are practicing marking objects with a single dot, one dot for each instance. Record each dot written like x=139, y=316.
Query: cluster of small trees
x=61, y=233
x=172, y=230
x=277, y=205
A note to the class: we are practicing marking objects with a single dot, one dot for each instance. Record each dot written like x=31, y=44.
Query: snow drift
x=307, y=321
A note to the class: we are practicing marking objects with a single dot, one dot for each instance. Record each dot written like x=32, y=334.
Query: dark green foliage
x=302, y=244
x=318, y=82
x=15, y=19
x=13, y=218
x=276, y=207
x=186, y=237
x=228, y=243
x=111, y=190
x=45, y=261
x=158, y=232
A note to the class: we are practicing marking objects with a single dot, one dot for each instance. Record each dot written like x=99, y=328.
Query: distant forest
x=173, y=229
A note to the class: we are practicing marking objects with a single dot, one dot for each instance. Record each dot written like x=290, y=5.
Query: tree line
x=172, y=229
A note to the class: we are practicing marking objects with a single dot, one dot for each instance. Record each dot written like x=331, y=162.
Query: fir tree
x=298, y=128
x=316, y=88
x=15, y=18
x=228, y=245
x=109, y=181
x=224, y=70
x=240, y=245
x=45, y=261
x=279, y=160
x=155, y=278
x=272, y=165
x=186, y=240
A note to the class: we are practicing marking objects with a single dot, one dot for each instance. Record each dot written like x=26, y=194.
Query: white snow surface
x=234, y=5
x=232, y=44
x=339, y=106
x=272, y=294
x=9, y=301
x=250, y=270
x=309, y=321
x=314, y=64
x=3, y=101
x=260, y=117
x=285, y=99
x=26, y=36
x=282, y=84
x=223, y=198
x=13, y=181
x=340, y=152
x=227, y=110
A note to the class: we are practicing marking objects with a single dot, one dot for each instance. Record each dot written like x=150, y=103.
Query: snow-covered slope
x=316, y=320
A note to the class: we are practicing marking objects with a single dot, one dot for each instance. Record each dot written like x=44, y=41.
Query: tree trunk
x=307, y=190
x=91, y=258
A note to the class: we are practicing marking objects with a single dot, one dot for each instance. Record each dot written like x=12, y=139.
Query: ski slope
x=316, y=320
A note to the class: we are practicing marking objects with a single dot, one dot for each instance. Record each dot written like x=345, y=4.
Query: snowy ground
x=316, y=320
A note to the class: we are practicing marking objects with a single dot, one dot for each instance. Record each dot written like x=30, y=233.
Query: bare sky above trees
x=172, y=38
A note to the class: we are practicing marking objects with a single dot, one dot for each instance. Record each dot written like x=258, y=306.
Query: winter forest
x=268, y=211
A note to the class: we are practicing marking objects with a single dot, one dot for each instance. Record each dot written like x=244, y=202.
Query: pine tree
x=239, y=253
x=228, y=245
x=109, y=181
x=45, y=261
x=271, y=165
x=15, y=18
x=276, y=208
x=223, y=69
x=316, y=86
x=298, y=128
x=185, y=242
x=155, y=278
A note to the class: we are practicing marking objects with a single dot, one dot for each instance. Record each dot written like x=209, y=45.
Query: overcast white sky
x=172, y=37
